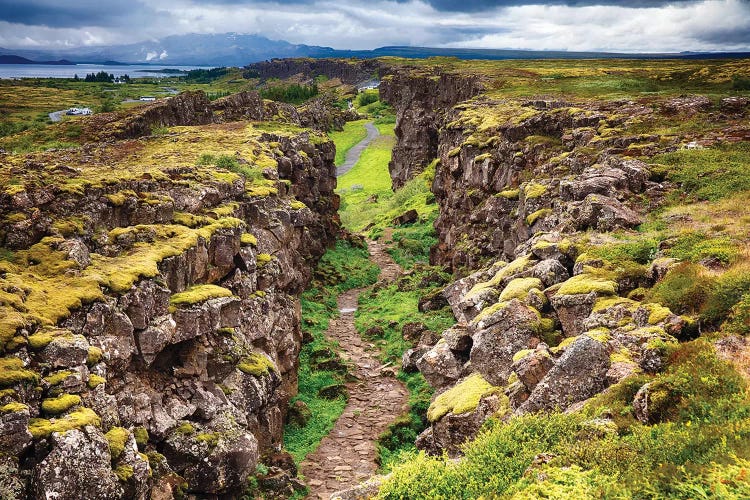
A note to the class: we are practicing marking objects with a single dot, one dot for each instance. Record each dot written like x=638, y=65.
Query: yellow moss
x=539, y=214
x=586, y=283
x=657, y=313
x=94, y=355
x=60, y=404
x=509, y=194
x=256, y=365
x=141, y=437
x=124, y=472
x=189, y=220
x=58, y=377
x=248, y=239
x=522, y=354
x=519, y=288
x=95, y=381
x=210, y=438
x=226, y=210
x=12, y=372
x=563, y=345
x=297, y=205
x=515, y=267
x=13, y=407
x=605, y=303
x=119, y=199
x=599, y=334
x=622, y=355
x=117, y=437
x=185, y=428
x=40, y=427
x=454, y=152
x=533, y=190
x=261, y=191
x=197, y=294
x=489, y=311
x=462, y=398
x=262, y=259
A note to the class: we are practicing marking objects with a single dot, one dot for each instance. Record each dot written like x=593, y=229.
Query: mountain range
x=232, y=49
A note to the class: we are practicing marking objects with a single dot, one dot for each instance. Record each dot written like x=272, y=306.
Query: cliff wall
x=150, y=305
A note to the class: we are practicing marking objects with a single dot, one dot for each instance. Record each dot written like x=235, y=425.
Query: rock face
x=347, y=71
x=157, y=350
x=420, y=101
x=194, y=108
x=517, y=183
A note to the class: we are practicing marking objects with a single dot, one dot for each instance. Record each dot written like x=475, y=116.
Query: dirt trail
x=352, y=156
x=347, y=455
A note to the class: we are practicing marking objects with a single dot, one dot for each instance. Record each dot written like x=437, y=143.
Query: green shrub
x=727, y=291
x=683, y=289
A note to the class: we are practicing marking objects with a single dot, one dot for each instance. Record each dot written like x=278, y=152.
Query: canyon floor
x=347, y=456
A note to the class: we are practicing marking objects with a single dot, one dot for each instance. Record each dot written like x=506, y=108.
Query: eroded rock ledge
x=148, y=307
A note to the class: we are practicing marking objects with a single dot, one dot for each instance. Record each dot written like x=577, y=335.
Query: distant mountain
x=232, y=49
x=13, y=59
x=227, y=49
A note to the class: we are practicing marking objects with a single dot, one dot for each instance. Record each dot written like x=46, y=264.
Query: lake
x=55, y=71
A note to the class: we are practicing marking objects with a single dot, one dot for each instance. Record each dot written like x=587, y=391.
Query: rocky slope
x=348, y=71
x=149, y=313
x=530, y=191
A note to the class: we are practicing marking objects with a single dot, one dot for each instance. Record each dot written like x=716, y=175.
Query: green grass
x=342, y=268
x=708, y=174
x=346, y=139
x=697, y=447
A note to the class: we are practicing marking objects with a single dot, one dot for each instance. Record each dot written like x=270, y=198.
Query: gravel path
x=352, y=156
x=346, y=457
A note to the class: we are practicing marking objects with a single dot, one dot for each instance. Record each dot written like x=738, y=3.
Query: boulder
x=498, y=336
x=550, y=272
x=410, y=357
x=441, y=366
x=407, y=217
x=579, y=374
x=605, y=214
x=79, y=460
x=532, y=368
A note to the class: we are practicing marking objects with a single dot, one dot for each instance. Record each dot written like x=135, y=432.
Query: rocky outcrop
x=349, y=71
x=421, y=100
x=194, y=108
x=150, y=318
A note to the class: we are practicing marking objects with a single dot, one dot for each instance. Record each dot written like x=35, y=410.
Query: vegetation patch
x=462, y=398
x=197, y=294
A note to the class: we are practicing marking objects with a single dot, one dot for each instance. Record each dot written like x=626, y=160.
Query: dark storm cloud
x=485, y=5
x=72, y=14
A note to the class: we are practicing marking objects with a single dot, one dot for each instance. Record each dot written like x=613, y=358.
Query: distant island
x=11, y=59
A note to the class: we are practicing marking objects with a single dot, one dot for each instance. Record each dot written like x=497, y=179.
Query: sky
x=574, y=25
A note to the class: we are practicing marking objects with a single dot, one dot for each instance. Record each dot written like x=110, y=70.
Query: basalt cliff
x=149, y=299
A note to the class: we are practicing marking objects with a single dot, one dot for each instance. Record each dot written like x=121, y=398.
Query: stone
x=452, y=431
x=332, y=391
x=497, y=337
x=76, y=251
x=408, y=217
x=550, y=271
x=440, y=366
x=411, y=331
x=532, y=368
x=458, y=338
x=14, y=431
x=578, y=374
x=605, y=214
x=78, y=460
x=410, y=357
x=66, y=351
x=572, y=309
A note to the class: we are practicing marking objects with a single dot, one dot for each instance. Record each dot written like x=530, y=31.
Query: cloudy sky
x=605, y=25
